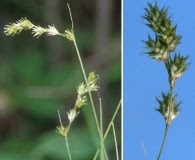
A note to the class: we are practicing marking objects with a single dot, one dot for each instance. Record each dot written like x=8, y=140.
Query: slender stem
x=60, y=118
x=101, y=128
x=65, y=138
x=71, y=17
x=85, y=78
x=109, y=126
x=112, y=120
x=115, y=141
x=67, y=146
x=170, y=107
x=83, y=71
x=84, y=74
x=163, y=142
x=142, y=144
x=90, y=96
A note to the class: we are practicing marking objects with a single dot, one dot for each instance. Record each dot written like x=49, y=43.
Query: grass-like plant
x=83, y=90
x=162, y=48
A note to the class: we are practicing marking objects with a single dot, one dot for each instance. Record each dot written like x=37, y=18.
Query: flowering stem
x=164, y=138
x=84, y=74
x=170, y=107
x=159, y=49
x=90, y=96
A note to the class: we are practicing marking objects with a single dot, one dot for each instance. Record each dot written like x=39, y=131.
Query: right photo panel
x=158, y=80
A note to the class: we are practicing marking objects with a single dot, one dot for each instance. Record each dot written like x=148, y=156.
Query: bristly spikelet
x=169, y=111
x=160, y=48
x=15, y=28
x=158, y=20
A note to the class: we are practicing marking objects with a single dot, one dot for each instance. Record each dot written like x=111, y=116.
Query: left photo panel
x=60, y=80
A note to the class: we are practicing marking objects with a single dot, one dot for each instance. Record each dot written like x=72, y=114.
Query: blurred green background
x=39, y=77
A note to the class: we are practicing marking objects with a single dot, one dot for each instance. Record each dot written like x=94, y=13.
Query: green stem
x=90, y=96
x=67, y=146
x=115, y=141
x=163, y=142
x=101, y=128
x=84, y=74
x=108, y=129
x=168, y=121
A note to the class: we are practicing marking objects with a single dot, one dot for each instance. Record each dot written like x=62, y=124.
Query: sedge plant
x=83, y=90
x=162, y=48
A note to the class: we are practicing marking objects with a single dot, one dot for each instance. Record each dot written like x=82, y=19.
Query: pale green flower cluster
x=17, y=27
x=37, y=31
x=81, y=100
